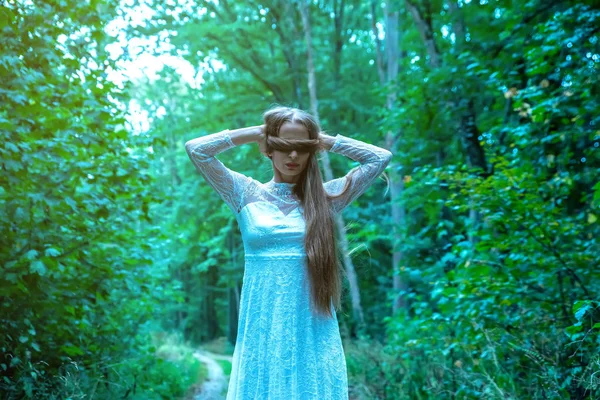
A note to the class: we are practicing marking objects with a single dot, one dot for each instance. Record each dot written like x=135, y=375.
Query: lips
x=292, y=165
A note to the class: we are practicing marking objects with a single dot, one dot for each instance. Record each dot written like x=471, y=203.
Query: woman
x=288, y=342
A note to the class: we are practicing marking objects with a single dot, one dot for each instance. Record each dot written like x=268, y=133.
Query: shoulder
x=252, y=185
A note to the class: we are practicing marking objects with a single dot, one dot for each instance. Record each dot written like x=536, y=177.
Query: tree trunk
x=289, y=50
x=387, y=76
x=397, y=182
x=426, y=33
x=378, y=53
x=338, y=45
x=339, y=222
x=212, y=322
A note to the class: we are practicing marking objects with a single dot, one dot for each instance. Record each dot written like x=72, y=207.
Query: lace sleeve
x=373, y=161
x=227, y=183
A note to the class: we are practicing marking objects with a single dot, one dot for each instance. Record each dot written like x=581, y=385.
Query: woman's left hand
x=327, y=141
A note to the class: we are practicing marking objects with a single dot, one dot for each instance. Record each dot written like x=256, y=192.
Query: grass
x=219, y=346
x=226, y=365
x=172, y=348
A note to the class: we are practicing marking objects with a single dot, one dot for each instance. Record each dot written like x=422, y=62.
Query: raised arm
x=227, y=183
x=373, y=161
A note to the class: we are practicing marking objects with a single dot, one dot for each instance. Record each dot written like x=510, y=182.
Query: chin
x=287, y=171
x=290, y=173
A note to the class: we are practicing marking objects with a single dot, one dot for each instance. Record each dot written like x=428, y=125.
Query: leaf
x=51, y=252
x=479, y=270
x=72, y=350
x=38, y=267
x=10, y=146
x=580, y=313
x=31, y=254
x=573, y=329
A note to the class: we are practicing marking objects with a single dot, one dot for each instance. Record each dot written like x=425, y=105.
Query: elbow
x=189, y=146
x=191, y=149
x=386, y=157
x=196, y=151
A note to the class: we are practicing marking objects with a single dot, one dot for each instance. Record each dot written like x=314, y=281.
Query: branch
x=426, y=33
x=270, y=86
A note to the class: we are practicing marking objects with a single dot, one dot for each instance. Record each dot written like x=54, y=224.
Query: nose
x=294, y=154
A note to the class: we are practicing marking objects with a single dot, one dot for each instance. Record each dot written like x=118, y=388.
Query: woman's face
x=281, y=159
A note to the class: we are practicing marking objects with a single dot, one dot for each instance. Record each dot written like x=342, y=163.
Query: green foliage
x=226, y=365
x=105, y=242
x=78, y=283
x=490, y=296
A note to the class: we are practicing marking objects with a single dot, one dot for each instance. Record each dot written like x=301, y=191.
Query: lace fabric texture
x=283, y=349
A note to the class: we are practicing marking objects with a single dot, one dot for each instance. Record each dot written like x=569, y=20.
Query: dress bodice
x=272, y=220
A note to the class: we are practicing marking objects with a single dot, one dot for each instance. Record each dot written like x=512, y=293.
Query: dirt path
x=216, y=383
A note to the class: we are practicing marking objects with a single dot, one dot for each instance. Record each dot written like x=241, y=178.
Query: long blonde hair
x=321, y=242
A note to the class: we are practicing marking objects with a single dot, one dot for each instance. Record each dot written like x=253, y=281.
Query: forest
x=474, y=263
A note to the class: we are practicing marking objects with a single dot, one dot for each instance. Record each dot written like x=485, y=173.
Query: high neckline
x=283, y=190
x=281, y=184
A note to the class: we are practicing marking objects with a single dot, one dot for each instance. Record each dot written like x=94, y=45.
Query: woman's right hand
x=262, y=145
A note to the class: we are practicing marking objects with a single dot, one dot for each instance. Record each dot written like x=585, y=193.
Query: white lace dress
x=283, y=350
